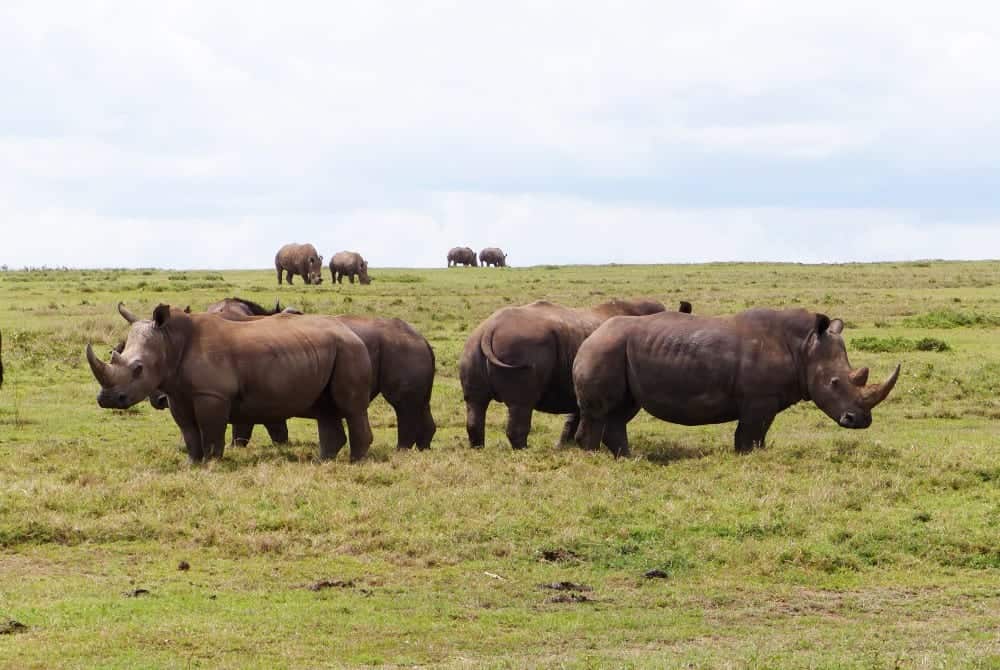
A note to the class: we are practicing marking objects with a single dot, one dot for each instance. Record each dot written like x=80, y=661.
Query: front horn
x=876, y=393
x=98, y=367
x=126, y=314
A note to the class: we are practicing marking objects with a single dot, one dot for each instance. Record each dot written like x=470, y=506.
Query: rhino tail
x=486, y=345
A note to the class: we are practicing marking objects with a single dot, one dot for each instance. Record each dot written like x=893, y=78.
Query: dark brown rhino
x=348, y=264
x=493, y=256
x=243, y=307
x=215, y=371
x=523, y=357
x=696, y=370
x=299, y=259
x=462, y=256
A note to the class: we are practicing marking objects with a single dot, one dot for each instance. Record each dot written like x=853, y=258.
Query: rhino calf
x=299, y=259
x=462, y=256
x=696, y=370
x=349, y=264
x=493, y=256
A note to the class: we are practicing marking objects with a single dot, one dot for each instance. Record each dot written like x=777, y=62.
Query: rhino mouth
x=854, y=419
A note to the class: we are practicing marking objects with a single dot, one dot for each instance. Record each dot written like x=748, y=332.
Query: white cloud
x=397, y=126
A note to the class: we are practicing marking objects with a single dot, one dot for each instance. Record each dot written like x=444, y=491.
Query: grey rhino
x=349, y=264
x=493, y=256
x=214, y=371
x=696, y=370
x=462, y=256
x=299, y=259
x=523, y=357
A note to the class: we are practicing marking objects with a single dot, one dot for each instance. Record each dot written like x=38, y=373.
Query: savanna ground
x=830, y=548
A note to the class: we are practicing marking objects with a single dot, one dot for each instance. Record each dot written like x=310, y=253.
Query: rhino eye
x=137, y=370
x=835, y=382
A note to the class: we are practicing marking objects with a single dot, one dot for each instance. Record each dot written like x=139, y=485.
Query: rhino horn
x=98, y=367
x=859, y=377
x=126, y=314
x=873, y=394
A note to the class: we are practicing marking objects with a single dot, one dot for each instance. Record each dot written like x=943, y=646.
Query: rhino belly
x=692, y=409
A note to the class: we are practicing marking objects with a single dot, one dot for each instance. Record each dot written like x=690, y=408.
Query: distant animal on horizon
x=349, y=264
x=493, y=256
x=697, y=370
x=523, y=357
x=462, y=256
x=299, y=259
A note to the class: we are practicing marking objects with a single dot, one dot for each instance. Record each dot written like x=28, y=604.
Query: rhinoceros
x=695, y=370
x=402, y=371
x=349, y=264
x=299, y=259
x=493, y=256
x=523, y=357
x=214, y=371
x=462, y=256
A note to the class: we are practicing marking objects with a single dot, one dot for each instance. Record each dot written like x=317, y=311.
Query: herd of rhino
x=242, y=364
x=303, y=260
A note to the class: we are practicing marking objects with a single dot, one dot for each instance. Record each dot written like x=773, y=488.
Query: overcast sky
x=206, y=134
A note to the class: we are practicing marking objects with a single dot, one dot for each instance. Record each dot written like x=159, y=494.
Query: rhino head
x=137, y=370
x=841, y=391
x=363, y=273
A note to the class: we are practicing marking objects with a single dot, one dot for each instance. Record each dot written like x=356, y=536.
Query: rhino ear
x=161, y=315
x=187, y=310
x=822, y=323
x=685, y=307
x=836, y=326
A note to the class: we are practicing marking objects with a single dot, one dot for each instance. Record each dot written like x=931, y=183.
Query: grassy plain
x=829, y=548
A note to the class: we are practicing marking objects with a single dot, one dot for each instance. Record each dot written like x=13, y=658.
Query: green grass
x=829, y=548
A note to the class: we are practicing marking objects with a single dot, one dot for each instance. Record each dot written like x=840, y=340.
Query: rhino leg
x=590, y=432
x=407, y=427
x=331, y=437
x=361, y=435
x=212, y=414
x=475, y=422
x=616, y=430
x=288, y=276
x=427, y=429
x=278, y=432
x=279, y=275
x=568, y=435
x=518, y=425
x=242, y=433
x=184, y=417
x=751, y=431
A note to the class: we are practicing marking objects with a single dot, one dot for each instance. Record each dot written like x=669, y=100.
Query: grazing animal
x=349, y=264
x=299, y=259
x=696, y=370
x=214, y=371
x=493, y=256
x=462, y=256
x=523, y=357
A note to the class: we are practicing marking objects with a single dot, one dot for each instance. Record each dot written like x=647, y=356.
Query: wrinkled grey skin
x=523, y=357
x=492, y=256
x=696, y=370
x=349, y=264
x=215, y=371
x=462, y=256
x=299, y=259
